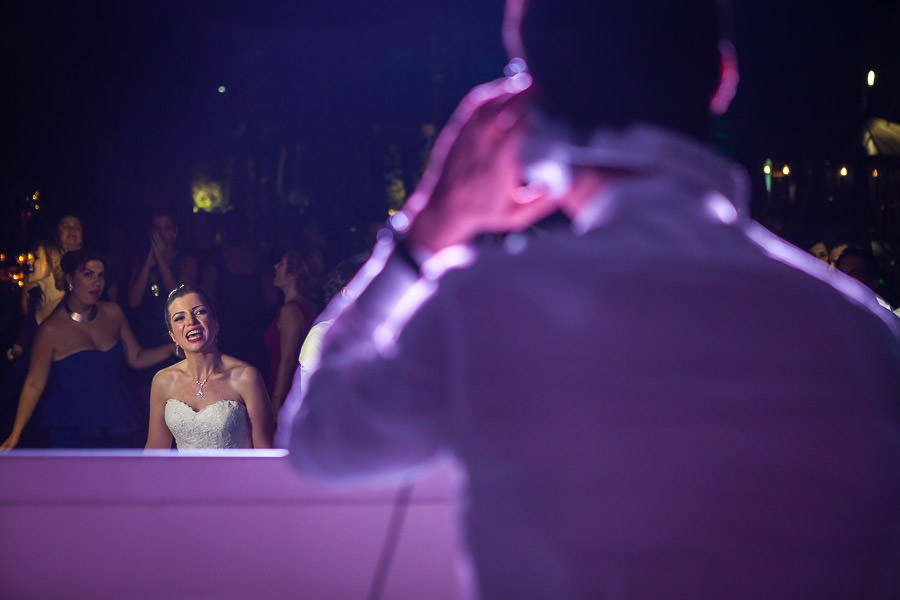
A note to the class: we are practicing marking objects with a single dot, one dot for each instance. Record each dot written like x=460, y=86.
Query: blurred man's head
x=860, y=264
x=598, y=63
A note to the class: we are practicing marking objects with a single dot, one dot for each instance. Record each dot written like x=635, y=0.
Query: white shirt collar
x=662, y=154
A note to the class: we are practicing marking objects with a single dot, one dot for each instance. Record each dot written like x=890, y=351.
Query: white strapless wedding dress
x=223, y=424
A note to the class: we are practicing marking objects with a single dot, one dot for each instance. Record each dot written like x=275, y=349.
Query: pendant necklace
x=81, y=317
x=201, y=384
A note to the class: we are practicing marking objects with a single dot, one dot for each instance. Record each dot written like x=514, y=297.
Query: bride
x=208, y=400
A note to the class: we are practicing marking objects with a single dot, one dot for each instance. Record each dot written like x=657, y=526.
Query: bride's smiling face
x=191, y=323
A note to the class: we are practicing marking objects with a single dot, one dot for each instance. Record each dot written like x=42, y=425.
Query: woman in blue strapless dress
x=208, y=400
x=77, y=358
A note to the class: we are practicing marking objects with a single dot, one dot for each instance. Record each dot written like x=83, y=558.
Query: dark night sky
x=103, y=93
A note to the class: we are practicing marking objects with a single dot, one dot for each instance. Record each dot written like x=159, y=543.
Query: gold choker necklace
x=81, y=317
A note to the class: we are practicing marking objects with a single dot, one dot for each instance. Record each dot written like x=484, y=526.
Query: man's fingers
x=486, y=100
x=503, y=100
x=485, y=118
x=513, y=120
x=473, y=114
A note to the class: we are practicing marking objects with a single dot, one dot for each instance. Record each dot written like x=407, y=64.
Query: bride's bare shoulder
x=231, y=363
x=170, y=375
x=238, y=369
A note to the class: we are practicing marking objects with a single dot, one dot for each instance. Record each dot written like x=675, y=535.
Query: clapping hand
x=156, y=254
x=157, y=248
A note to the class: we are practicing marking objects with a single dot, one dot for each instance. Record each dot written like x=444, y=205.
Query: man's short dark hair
x=863, y=254
x=600, y=63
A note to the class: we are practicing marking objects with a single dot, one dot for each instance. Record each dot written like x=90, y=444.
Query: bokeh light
x=208, y=197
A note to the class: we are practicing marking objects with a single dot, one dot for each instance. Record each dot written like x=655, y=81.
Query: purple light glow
x=102, y=524
x=721, y=209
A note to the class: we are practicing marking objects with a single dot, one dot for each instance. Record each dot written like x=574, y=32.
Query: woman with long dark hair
x=287, y=330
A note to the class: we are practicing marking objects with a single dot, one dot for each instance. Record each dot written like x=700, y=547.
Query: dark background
x=111, y=108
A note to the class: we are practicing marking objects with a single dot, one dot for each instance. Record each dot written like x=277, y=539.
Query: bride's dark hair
x=184, y=290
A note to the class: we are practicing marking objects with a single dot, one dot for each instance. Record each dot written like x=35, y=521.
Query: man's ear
x=728, y=79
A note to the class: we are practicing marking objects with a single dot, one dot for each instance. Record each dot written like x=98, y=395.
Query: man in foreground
x=662, y=401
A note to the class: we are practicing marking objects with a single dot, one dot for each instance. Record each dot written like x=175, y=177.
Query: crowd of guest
x=75, y=366
x=856, y=259
x=95, y=327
